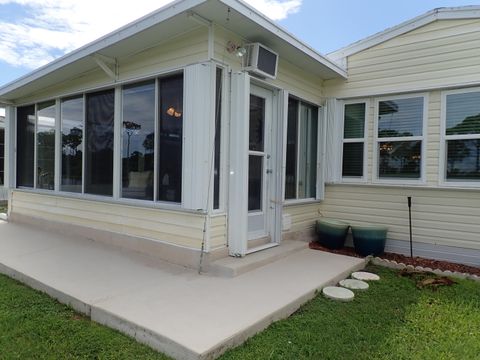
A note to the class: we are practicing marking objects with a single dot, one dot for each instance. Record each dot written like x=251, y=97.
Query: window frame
x=115, y=198
x=376, y=179
x=442, y=173
x=320, y=150
x=364, y=140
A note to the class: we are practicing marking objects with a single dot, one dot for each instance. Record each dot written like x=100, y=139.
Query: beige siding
x=178, y=228
x=440, y=216
x=303, y=216
x=182, y=50
x=290, y=77
x=442, y=54
x=218, y=231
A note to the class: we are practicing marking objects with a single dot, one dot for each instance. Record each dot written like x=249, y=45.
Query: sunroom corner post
x=333, y=144
x=198, y=143
x=9, y=165
x=321, y=157
x=238, y=176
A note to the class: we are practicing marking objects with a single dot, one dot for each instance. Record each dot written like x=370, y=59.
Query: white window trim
x=423, y=161
x=442, y=166
x=320, y=144
x=162, y=205
x=355, y=179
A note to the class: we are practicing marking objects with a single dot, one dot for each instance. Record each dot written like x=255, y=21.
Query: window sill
x=301, y=202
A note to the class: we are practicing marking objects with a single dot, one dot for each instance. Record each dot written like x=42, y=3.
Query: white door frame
x=239, y=156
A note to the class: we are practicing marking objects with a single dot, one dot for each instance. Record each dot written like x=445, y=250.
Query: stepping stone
x=365, y=276
x=353, y=284
x=338, y=293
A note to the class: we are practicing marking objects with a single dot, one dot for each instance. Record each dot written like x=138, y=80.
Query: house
x=204, y=130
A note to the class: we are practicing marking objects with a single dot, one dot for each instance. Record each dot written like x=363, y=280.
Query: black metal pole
x=410, y=224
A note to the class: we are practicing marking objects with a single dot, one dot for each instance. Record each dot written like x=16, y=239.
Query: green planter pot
x=369, y=239
x=332, y=233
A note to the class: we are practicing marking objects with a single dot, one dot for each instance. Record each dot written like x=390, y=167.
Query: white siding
x=442, y=54
x=218, y=231
x=178, y=228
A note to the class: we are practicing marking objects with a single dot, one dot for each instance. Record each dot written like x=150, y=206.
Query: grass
x=33, y=326
x=392, y=320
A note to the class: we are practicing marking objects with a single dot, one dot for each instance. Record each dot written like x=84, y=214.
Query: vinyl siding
x=439, y=216
x=290, y=77
x=175, y=53
x=177, y=228
x=441, y=54
x=218, y=231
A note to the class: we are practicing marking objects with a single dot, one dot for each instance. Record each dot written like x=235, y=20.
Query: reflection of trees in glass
x=72, y=140
x=385, y=133
x=400, y=158
x=460, y=151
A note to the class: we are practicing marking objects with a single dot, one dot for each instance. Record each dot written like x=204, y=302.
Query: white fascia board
x=162, y=14
x=283, y=34
x=464, y=12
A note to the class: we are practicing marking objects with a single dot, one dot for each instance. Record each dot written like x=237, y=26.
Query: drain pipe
x=410, y=224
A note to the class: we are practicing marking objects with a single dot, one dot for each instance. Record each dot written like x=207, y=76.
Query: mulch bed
x=416, y=261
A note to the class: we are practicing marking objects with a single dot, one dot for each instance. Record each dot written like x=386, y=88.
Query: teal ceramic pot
x=369, y=239
x=332, y=233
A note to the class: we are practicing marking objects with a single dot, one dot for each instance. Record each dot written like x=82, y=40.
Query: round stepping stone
x=353, y=284
x=365, y=276
x=338, y=293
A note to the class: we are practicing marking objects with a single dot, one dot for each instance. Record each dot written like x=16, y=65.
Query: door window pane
x=255, y=181
x=171, y=134
x=138, y=141
x=2, y=156
x=46, y=114
x=291, y=158
x=257, y=123
x=218, y=133
x=25, y=145
x=99, y=143
x=400, y=159
x=72, y=144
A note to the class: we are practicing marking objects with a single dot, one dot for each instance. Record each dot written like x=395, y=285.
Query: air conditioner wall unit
x=261, y=61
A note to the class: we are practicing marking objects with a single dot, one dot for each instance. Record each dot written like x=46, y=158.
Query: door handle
x=269, y=171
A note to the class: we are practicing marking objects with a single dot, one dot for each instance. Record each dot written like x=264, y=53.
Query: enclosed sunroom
x=198, y=129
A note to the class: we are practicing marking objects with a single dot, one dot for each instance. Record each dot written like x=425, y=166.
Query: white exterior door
x=260, y=162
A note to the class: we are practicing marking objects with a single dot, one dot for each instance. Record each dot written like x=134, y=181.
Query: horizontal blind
x=354, y=125
x=400, y=118
x=463, y=114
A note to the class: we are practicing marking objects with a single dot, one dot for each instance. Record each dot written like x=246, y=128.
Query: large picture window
x=353, y=140
x=400, y=138
x=72, y=144
x=99, y=143
x=462, y=136
x=171, y=134
x=45, y=141
x=301, y=150
x=218, y=134
x=25, y=146
x=138, y=140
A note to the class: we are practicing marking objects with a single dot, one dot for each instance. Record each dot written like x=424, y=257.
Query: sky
x=35, y=32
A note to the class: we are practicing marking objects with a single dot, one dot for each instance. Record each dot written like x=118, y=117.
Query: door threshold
x=261, y=247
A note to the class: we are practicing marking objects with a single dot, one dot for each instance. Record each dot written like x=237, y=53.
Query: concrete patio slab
x=173, y=309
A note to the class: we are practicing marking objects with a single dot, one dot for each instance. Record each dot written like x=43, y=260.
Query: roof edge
x=262, y=20
x=136, y=26
x=443, y=13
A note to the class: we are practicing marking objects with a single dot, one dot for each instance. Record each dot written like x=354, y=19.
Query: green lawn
x=33, y=326
x=392, y=320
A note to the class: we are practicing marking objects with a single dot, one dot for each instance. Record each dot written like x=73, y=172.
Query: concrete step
x=231, y=267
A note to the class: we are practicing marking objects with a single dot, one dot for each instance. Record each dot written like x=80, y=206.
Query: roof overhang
x=164, y=24
x=446, y=13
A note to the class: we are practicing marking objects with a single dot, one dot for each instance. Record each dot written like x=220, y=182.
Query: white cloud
x=54, y=27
